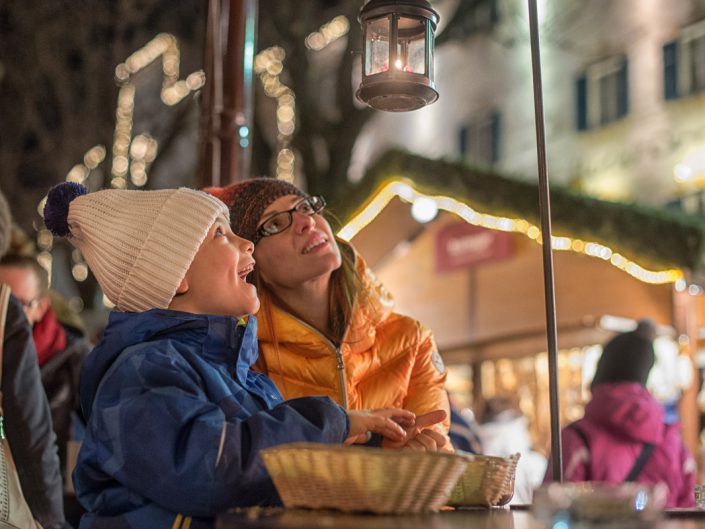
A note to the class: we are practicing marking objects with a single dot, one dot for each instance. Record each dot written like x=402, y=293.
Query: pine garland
x=653, y=237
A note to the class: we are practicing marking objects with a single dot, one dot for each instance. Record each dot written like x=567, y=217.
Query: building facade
x=624, y=97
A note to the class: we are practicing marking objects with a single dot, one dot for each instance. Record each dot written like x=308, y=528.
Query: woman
x=623, y=436
x=327, y=326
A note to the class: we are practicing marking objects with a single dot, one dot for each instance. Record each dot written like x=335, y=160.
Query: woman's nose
x=303, y=222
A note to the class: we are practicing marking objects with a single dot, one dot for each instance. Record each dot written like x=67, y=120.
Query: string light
x=143, y=151
x=268, y=65
x=131, y=156
x=406, y=192
x=166, y=47
x=328, y=32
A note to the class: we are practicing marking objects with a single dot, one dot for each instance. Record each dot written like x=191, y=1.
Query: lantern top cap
x=377, y=8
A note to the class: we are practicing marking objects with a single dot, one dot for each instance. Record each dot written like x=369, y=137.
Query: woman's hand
x=419, y=437
x=388, y=422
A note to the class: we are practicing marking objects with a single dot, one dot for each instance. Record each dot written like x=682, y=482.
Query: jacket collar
x=218, y=339
x=233, y=341
x=372, y=306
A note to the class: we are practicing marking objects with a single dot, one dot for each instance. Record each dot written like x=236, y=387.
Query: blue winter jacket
x=176, y=420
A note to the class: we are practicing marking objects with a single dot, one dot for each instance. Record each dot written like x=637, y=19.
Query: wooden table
x=270, y=518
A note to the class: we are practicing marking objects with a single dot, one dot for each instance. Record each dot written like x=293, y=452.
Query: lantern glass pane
x=431, y=51
x=377, y=46
x=411, y=45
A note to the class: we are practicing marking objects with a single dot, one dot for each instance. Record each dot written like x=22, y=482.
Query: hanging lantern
x=397, y=60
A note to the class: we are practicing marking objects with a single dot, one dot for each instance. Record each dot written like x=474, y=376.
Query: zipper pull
x=2, y=429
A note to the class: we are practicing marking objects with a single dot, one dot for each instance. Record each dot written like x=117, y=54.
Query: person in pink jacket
x=623, y=436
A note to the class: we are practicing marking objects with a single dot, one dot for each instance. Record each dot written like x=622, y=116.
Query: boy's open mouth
x=246, y=271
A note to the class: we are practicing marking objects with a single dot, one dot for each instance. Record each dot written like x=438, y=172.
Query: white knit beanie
x=139, y=244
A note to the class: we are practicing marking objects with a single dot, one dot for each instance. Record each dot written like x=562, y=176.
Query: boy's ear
x=183, y=287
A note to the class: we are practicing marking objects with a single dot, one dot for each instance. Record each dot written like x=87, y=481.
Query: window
x=479, y=141
x=684, y=63
x=602, y=93
x=693, y=203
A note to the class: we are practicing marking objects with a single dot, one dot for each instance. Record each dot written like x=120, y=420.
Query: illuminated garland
x=128, y=154
x=136, y=154
x=269, y=64
x=406, y=192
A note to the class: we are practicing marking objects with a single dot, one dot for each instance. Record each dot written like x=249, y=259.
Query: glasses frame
x=29, y=304
x=315, y=209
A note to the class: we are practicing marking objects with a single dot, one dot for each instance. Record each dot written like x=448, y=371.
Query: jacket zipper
x=338, y=358
x=341, y=375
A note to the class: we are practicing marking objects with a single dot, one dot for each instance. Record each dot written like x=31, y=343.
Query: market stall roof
x=642, y=236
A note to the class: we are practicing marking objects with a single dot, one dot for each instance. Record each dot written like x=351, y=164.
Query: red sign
x=462, y=245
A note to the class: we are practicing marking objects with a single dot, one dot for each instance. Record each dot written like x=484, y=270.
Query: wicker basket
x=487, y=481
x=322, y=476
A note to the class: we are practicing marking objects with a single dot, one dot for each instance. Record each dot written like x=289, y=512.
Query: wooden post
x=226, y=113
x=211, y=99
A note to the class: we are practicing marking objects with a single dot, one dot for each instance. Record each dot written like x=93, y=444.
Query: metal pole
x=545, y=214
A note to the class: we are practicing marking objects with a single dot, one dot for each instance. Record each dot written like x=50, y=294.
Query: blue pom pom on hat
x=56, y=209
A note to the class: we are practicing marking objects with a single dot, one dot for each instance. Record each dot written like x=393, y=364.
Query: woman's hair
x=345, y=287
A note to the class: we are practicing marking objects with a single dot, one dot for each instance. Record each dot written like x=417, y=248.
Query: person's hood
x=217, y=338
x=627, y=409
x=373, y=305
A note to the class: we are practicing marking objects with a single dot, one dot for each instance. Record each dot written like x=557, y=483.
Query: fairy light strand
x=406, y=192
x=268, y=65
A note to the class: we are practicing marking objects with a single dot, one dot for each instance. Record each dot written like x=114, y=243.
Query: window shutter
x=581, y=102
x=623, y=90
x=494, y=12
x=464, y=141
x=670, y=70
x=496, y=136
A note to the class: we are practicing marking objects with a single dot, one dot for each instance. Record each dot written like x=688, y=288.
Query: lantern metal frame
x=396, y=90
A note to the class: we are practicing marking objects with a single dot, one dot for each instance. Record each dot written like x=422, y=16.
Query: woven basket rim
x=411, y=481
x=483, y=457
x=361, y=450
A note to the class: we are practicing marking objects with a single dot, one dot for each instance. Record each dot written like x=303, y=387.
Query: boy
x=176, y=417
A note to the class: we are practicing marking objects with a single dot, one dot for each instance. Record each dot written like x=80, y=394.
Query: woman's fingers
x=405, y=418
x=399, y=428
x=387, y=428
x=430, y=418
x=361, y=422
x=426, y=441
x=438, y=439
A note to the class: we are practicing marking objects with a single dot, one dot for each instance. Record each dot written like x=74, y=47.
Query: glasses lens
x=316, y=204
x=282, y=220
x=305, y=207
x=277, y=223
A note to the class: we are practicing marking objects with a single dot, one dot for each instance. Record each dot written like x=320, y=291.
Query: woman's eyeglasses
x=29, y=304
x=281, y=221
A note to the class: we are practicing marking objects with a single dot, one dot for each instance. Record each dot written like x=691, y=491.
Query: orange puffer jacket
x=385, y=360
